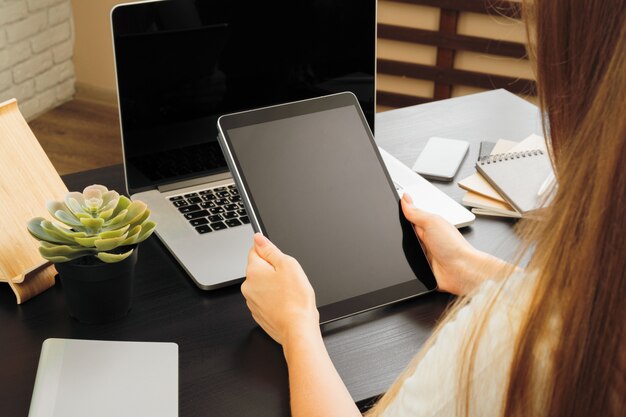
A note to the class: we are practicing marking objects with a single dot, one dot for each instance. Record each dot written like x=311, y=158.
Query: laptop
x=180, y=64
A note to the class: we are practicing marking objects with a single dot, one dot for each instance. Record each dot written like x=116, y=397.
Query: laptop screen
x=181, y=64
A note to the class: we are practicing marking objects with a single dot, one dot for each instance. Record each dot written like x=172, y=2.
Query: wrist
x=301, y=337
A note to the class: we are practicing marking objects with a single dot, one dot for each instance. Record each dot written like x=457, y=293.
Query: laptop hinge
x=195, y=181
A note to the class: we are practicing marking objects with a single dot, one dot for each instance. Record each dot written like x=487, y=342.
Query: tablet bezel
x=347, y=307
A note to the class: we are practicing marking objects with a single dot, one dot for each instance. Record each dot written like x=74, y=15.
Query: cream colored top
x=433, y=389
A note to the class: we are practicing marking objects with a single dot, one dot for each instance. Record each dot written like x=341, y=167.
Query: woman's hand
x=278, y=293
x=457, y=265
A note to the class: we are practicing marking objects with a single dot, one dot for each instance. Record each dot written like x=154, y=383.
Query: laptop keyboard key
x=212, y=209
x=218, y=226
x=245, y=219
x=199, y=222
x=233, y=222
x=203, y=229
x=196, y=214
x=189, y=209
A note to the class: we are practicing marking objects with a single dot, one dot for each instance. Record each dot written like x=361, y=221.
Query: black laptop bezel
x=133, y=181
x=351, y=306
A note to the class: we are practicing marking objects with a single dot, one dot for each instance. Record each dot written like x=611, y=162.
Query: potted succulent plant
x=94, y=249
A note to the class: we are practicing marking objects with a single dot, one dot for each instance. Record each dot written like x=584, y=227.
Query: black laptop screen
x=181, y=64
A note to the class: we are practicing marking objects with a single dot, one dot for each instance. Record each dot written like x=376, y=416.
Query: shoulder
x=494, y=311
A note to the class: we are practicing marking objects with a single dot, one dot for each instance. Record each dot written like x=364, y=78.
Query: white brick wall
x=36, y=48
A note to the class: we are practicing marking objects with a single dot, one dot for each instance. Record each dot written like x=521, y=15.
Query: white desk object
x=425, y=195
x=78, y=378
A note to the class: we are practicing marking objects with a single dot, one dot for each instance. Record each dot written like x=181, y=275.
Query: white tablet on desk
x=95, y=378
x=315, y=183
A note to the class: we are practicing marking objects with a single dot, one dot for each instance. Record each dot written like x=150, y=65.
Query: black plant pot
x=98, y=292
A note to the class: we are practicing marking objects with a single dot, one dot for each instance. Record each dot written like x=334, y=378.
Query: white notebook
x=78, y=378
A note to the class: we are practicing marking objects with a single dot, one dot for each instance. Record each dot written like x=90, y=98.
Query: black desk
x=228, y=366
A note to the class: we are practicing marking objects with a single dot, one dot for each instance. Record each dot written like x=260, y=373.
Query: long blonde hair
x=579, y=247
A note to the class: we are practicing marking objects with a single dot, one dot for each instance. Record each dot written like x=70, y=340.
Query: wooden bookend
x=27, y=181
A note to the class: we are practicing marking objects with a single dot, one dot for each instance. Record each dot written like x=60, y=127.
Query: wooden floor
x=79, y=135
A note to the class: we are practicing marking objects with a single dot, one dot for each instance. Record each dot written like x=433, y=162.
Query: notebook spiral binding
x=492, y=159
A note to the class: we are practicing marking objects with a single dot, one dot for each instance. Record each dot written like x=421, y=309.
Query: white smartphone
x=441, y=158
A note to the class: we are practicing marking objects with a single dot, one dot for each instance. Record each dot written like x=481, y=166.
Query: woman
x=549, y=340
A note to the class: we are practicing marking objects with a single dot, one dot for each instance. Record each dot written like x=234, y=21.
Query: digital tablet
x=314, y=183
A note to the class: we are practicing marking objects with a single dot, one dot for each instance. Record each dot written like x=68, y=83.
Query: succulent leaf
x=55, y=233
x=95, y=187
x=108, y=244
x=110, y=200
x=131, y=237
x=141, y=219
x=93, y=224
x=67, y=218
x=70, y=234
x=113, y=257
x=35, y=229
x=146, y=230
x=75, y=202
x=115, y=221
x=122, y=204
x=63, y=250
x=114, y=233
x=61, y=253
x=136, y=210
x=88, y=242
x=105, y=214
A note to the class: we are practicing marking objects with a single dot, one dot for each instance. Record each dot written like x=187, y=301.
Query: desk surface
x=228, y=366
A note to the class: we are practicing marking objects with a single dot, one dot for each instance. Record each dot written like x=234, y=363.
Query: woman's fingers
x=267, y=250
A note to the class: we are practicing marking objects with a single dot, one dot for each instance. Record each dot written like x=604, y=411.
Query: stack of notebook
x=511, y=180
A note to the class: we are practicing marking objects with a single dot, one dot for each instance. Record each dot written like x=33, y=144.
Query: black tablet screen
x=319, y=191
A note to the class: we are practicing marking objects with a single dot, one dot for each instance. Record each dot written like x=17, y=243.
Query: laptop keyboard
x=212, y=209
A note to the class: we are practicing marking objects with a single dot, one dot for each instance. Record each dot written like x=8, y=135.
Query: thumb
x=419, y=218
x=266, y=249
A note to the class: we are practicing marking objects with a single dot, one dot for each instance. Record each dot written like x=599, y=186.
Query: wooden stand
x=27, y=181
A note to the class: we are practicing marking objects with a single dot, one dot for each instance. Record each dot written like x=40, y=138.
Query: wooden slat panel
x=389, y=99
x=456, y=76
x=445, y=56
x=495, y=7
x=452, y=41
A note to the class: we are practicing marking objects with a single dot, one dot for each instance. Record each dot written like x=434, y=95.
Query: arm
x=282, y=302
x=314, y=385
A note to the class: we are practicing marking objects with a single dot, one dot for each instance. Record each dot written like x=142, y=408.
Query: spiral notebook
x=518, y=177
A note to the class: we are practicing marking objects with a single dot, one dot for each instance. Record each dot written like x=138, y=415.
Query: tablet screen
x=316, y=186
